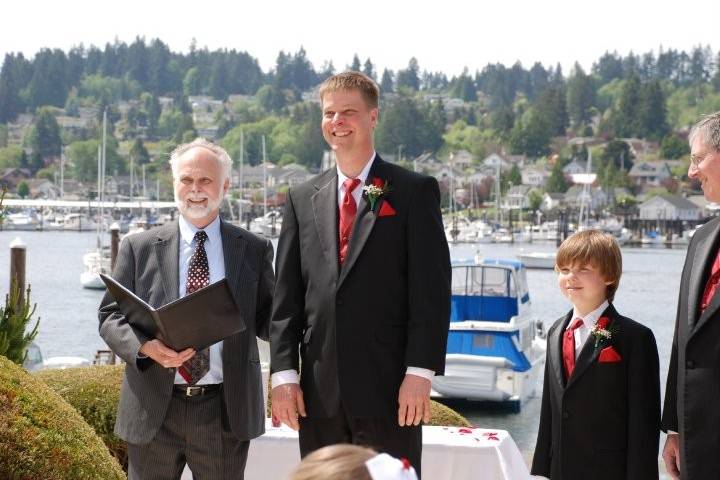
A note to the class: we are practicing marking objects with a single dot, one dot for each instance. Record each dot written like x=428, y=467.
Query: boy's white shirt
x=582, y=333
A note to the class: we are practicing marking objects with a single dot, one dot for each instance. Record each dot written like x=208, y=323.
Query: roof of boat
x=503, y=262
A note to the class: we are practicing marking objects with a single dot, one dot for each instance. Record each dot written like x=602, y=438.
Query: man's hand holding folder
x=183, y=326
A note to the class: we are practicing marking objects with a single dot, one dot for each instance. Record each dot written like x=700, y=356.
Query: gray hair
x=220, y=153
x=709, y=130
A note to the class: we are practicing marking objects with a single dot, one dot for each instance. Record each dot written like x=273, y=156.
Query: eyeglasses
x=696, y=160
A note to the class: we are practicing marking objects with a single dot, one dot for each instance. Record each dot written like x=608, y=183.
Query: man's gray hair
x=220, y=153
x=708, y=128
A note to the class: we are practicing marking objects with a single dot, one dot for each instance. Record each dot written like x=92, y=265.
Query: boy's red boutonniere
x=375, y=190
x=602, y=332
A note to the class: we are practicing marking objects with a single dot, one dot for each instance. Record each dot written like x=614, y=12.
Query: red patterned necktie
x=197, y=278
x=712, y=284
x=348, y=209
x=568, y=347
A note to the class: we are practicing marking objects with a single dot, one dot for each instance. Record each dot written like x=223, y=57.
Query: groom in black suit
x=362, y=298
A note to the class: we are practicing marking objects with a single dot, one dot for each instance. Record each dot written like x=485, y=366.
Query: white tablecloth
x=449, y=453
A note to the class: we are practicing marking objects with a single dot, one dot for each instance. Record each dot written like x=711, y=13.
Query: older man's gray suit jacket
x=147, y=264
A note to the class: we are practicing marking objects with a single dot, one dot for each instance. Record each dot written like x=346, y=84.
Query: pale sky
x=444, y=35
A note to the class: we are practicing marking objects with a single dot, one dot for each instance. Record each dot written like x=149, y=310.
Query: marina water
x=69, y=326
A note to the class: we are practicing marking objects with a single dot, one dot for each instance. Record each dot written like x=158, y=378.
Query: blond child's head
x=589, y=266
x=335, y=462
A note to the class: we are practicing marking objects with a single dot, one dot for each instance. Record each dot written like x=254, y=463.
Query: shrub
x=94, y=392
x=42, y=437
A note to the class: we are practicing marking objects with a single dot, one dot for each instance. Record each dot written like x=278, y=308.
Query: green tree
x=46, y=136
x=673, y=147
x=393, y=131
x=618, y=152
x=11, y=157
x=13, y=78
x=556, y=181
x=533, y=137
x=83, y=158
x=355, y=64
x=463, y=87
x=625, y=116
x=652, y=114
x=580, y=97
x=192, y=82
x=551, y=105
x=23, y=189
x=387, y=83
x=368, y=69
x=48, y=85
x=410, y=77
x=4, y=135
x=15, y=318
x=514, y=176
x=139, y=153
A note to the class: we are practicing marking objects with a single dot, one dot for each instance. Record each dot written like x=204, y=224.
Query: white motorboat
x=493, y=351
x=95, y=263
x=538, y=259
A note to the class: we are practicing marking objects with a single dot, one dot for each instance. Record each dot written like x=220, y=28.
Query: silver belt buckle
x=193, y=390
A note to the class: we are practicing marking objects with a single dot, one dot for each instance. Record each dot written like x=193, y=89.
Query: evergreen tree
x=463, y=87
x=139, y=153
x=138, y=63
x=624, y=118
x=609, y=67
x=46, y=136
x=532, y=139
x=23, y=189
x=409, y=78
x=652, y=114
x=386, y=84
x=11, y=82
x=673, y=147
x=580, y=97
x=368, y=69
x=552, y=106
x=556, y=181
x=48, y=85
x=218, y=78
x=514, y=176
x=355, y=65
x=618, y=152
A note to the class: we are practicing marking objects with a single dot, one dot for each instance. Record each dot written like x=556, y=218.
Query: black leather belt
x=195, y=390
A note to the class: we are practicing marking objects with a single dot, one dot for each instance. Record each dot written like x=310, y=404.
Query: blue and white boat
x=495, y=348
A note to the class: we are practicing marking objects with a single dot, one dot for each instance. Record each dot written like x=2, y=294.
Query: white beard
x=197, y=211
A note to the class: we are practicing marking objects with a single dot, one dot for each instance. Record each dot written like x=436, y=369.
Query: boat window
x=459, y=280
x=497, y=282
x=483, y=340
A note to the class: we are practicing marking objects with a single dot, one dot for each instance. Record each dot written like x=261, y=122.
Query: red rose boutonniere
x=602, y=332
x=375, y=190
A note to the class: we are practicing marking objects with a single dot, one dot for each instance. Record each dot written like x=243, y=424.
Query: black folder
x=197, y=320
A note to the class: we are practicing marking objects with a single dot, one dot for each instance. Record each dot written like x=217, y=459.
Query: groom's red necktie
x=348, y=209
x=568, y=347
x=198, y=277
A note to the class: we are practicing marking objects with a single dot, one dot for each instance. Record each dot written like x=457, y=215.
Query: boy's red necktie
x=568, y=347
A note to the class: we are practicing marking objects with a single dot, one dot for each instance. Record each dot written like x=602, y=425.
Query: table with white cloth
x=449, y=453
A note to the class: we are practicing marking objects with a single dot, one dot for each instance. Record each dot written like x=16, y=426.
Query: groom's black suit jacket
x=353, y=329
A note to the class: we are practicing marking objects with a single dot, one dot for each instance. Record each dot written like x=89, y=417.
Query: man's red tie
x=568, y=347
x=712, y=283
x=348, y=209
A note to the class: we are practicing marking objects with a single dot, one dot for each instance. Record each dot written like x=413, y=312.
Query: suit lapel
x=702, y=264
x=167, y=251
x=555, y=346
x=233, y=258
x=325, y=210
x=589, y=353
x=364, y=220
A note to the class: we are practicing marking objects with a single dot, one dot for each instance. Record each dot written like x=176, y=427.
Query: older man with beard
x=200, y=408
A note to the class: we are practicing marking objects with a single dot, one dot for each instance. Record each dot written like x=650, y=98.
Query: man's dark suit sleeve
x=122, y=338
x=287, y=320
x=542, y=459
x=265, y=294
x=669, y=415
x=643, y=407
x=428, y=280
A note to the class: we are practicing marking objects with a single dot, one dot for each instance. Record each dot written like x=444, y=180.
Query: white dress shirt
x=216, y=264
x=291, y=376
x=582, y=333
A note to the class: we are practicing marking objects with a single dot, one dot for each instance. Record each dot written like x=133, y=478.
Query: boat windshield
x=482, y=280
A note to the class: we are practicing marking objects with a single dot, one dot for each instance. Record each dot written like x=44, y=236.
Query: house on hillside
x=669, y=207
x=649, y=173
x=534, y=175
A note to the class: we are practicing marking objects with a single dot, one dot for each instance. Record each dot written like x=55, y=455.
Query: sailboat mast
x=264, y=178
x=240, y=180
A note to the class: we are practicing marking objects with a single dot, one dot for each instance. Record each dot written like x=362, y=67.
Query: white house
x=669, y=207
x=649, y=173
x=534, y=175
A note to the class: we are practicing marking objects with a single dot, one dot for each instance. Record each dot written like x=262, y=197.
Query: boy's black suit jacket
x=604, y=421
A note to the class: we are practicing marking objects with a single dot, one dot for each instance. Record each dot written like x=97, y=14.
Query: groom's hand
x=287, y=403
x=414, y=401
x=165, y=356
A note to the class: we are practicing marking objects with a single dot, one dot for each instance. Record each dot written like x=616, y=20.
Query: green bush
x=42, y=437
x=94, y=392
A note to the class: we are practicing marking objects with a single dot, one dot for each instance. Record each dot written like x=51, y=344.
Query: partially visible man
x=691, y=415
x=196, y=407
x=362, y=292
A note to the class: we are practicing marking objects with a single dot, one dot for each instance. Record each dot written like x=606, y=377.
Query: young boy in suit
x=600, y=414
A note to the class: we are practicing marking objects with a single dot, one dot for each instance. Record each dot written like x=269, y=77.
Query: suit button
x=566, y=415
x=690, y=364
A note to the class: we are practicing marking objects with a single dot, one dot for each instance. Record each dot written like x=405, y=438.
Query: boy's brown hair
x=596, y=248
x=352, y=80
